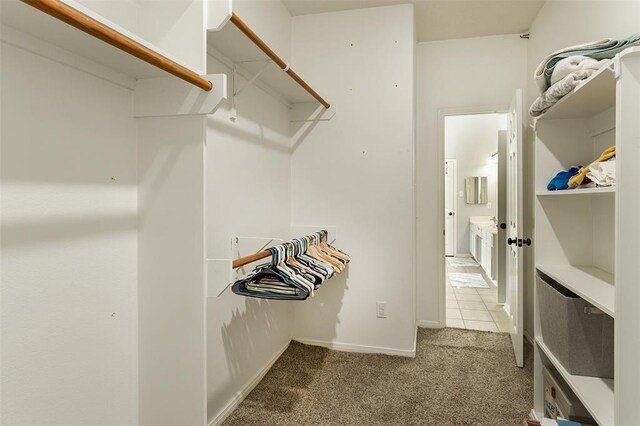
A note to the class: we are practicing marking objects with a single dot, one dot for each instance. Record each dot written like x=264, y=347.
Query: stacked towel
x=598, y=50
x=562, y=71
x=575, y=64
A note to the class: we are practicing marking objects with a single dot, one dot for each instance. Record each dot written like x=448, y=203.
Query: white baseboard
x=349, y=347
x=528, y=336
x=429, y=324
x=242, y=394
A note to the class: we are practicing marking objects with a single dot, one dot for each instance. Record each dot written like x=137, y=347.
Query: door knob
x=511, y=241
x=450, y=213
x=527, y=241
x=503, y=226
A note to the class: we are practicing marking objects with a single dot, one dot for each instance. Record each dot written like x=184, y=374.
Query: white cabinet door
x=472, y=243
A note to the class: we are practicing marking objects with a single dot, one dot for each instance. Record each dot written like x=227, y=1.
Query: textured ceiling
x=443, y=19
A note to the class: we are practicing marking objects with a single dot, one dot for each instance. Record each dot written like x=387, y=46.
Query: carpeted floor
x=459, y=377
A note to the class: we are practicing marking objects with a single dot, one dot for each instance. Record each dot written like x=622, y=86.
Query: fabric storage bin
x=581, y=341
x=560, y=401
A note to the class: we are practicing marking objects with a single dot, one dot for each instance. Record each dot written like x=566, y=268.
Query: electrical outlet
x=381, y=309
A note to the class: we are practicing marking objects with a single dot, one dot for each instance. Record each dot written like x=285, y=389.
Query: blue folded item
x=561, y=180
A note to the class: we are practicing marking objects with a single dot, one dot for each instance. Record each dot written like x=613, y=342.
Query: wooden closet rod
x=242, y=26
x=249, y=259
x=69, y=15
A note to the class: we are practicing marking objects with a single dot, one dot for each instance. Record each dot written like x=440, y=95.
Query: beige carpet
x=459, y=377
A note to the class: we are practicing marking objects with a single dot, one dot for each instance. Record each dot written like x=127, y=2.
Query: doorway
x=474, y=204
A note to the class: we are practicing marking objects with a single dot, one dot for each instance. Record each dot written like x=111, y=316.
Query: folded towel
x=574, y=64
x=558, y=91
x=602, y=49
x=603, y=173
x=539, y=74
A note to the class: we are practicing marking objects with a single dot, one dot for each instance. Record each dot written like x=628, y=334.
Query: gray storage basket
x=581, y=341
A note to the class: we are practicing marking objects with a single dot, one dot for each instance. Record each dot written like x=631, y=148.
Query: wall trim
x=428, y=42
x=528, y=337
x=463, y=255
x=429, y=324
x=242, y=394
x=351, y=347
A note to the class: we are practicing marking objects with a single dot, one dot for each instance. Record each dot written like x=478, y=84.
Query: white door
x=449, y=208
x=514, y=305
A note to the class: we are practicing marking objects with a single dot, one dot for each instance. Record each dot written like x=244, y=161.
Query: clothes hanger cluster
x=297, y=268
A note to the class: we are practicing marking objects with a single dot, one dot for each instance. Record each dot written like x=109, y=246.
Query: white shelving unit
x=572, y=192
x=594, y=95
x=595, y=393
x=586, y=238
x=592, y=284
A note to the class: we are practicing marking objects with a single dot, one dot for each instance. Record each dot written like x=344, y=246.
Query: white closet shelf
x=594, y=392
x=22, y=17
x=594, y=95
x=235, y=47
x=593, y=284
x=578, y=191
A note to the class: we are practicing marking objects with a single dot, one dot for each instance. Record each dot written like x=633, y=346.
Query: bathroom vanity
x=483, y=232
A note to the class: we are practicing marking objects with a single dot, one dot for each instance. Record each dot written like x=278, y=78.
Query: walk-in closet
x=235, y=212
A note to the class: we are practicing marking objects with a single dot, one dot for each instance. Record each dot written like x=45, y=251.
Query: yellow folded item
x=576, y=180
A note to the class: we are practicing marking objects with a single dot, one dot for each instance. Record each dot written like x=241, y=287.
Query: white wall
x=271, y=20
x=248, y=195
x=69, y=240
x=171, y=277
x=356, y=172
x=452, y=75
x=471, y=140
x=589, y=21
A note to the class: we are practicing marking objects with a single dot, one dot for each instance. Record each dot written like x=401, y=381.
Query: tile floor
x=474, y=308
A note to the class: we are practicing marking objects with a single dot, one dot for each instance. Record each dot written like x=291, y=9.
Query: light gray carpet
x=459, y=377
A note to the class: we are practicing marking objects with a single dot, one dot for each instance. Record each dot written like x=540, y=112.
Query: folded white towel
x=558, y=91
x=539, y=76
x=603, y=173
x=573, y=64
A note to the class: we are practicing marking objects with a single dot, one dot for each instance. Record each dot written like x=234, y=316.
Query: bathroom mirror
x=476, y=190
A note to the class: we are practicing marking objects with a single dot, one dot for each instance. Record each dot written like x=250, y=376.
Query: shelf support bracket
x=235, y=90
x=220, y=272
x=311, y=112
